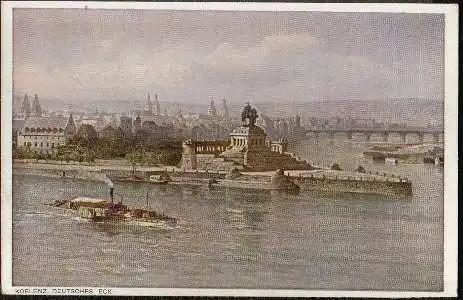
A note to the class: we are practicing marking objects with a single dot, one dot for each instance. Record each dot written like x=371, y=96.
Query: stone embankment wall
x=354, y=185
x=212, y=162
x=74, y=173
x=267, y=161
x=178, y=175
x=206, y=162
x=388, y=186
x=115, y=173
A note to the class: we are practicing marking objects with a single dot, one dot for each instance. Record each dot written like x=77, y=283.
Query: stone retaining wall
x=354, y=186
x=266, y=161
x=305, y=183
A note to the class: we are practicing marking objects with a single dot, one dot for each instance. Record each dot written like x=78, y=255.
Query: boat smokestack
x=111, y=194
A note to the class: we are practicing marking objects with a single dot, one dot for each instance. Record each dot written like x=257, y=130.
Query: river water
x=230, y=238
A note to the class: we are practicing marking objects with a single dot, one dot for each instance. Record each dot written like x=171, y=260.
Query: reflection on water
x=231, y=238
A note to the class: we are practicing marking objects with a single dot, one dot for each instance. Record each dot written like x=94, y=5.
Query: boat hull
x=98, y=210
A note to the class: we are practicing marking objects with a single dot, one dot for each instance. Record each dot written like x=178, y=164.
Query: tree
x=360, y=169
x=336, y=167
x=86, y=136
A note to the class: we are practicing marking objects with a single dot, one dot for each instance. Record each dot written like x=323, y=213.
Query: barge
x=162, y=178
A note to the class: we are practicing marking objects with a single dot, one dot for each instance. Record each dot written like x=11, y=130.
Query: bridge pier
x=349, y=135
x=367, y=136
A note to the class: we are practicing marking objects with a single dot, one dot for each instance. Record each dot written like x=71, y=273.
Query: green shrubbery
x=63, y=153
x=169, y=157
x=336, y=167
x=86, y=146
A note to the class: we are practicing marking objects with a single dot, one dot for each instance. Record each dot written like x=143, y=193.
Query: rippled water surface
x=230, y=238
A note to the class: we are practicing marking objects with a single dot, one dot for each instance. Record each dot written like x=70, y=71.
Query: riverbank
x=408, y=154
x=321, y=180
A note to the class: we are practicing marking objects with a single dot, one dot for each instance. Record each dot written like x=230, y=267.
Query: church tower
x=36, y=109
x=70, y=129
x=157, y=106
x=26, y=107
x=137, y=123
x=211, y=111
x=148, y=105
x=225, y=114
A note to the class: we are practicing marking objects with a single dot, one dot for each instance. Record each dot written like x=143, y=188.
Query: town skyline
x=108, y=55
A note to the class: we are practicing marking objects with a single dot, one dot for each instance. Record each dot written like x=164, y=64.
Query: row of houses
x=46, y=134
x=43, y=134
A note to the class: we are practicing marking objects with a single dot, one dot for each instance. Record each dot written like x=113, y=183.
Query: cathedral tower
x=26, y=107
x=36, y=109
x=211, y=111
x=148, y=105
x=225, y=114
x=157, y=105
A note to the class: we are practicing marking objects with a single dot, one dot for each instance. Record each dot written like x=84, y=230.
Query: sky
x=196, y=56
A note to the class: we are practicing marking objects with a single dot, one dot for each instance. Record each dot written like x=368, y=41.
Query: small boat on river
x=101, y=210
x=131, y=179
x=163, y=178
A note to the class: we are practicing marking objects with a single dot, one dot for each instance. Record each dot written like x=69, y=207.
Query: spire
x=36, y=109
x=137, y=123
x=212, y=110
x=26, y=106
x=70, y=129
x=225, y=108
x=149, y=105
x=157, y=105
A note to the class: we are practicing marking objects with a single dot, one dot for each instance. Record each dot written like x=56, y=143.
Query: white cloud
x=189, y=57
x=131, y=70
x=228, y=57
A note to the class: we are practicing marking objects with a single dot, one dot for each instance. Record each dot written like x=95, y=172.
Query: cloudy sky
x=193, y=56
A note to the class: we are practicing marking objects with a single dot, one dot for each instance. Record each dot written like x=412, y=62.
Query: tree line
x=87, y=145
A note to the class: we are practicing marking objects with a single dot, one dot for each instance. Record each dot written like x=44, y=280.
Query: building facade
x=46, y=134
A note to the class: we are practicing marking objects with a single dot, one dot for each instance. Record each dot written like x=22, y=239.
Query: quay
x=306, y=180
x=417, y=154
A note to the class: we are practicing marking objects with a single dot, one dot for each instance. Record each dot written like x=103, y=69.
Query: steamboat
x=102, y=210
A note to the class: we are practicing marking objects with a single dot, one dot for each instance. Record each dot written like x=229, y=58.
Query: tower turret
x=211, y=111
x=157, y=105
x=26, y=107
x=137, y=123
x=225, y=114
x=148, y=105
x=70, y=129
x=36, y=109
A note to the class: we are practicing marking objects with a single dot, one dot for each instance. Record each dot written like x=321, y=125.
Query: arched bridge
x=383, y=132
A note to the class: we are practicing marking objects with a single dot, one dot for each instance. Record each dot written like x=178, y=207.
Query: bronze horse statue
x=250, y=114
